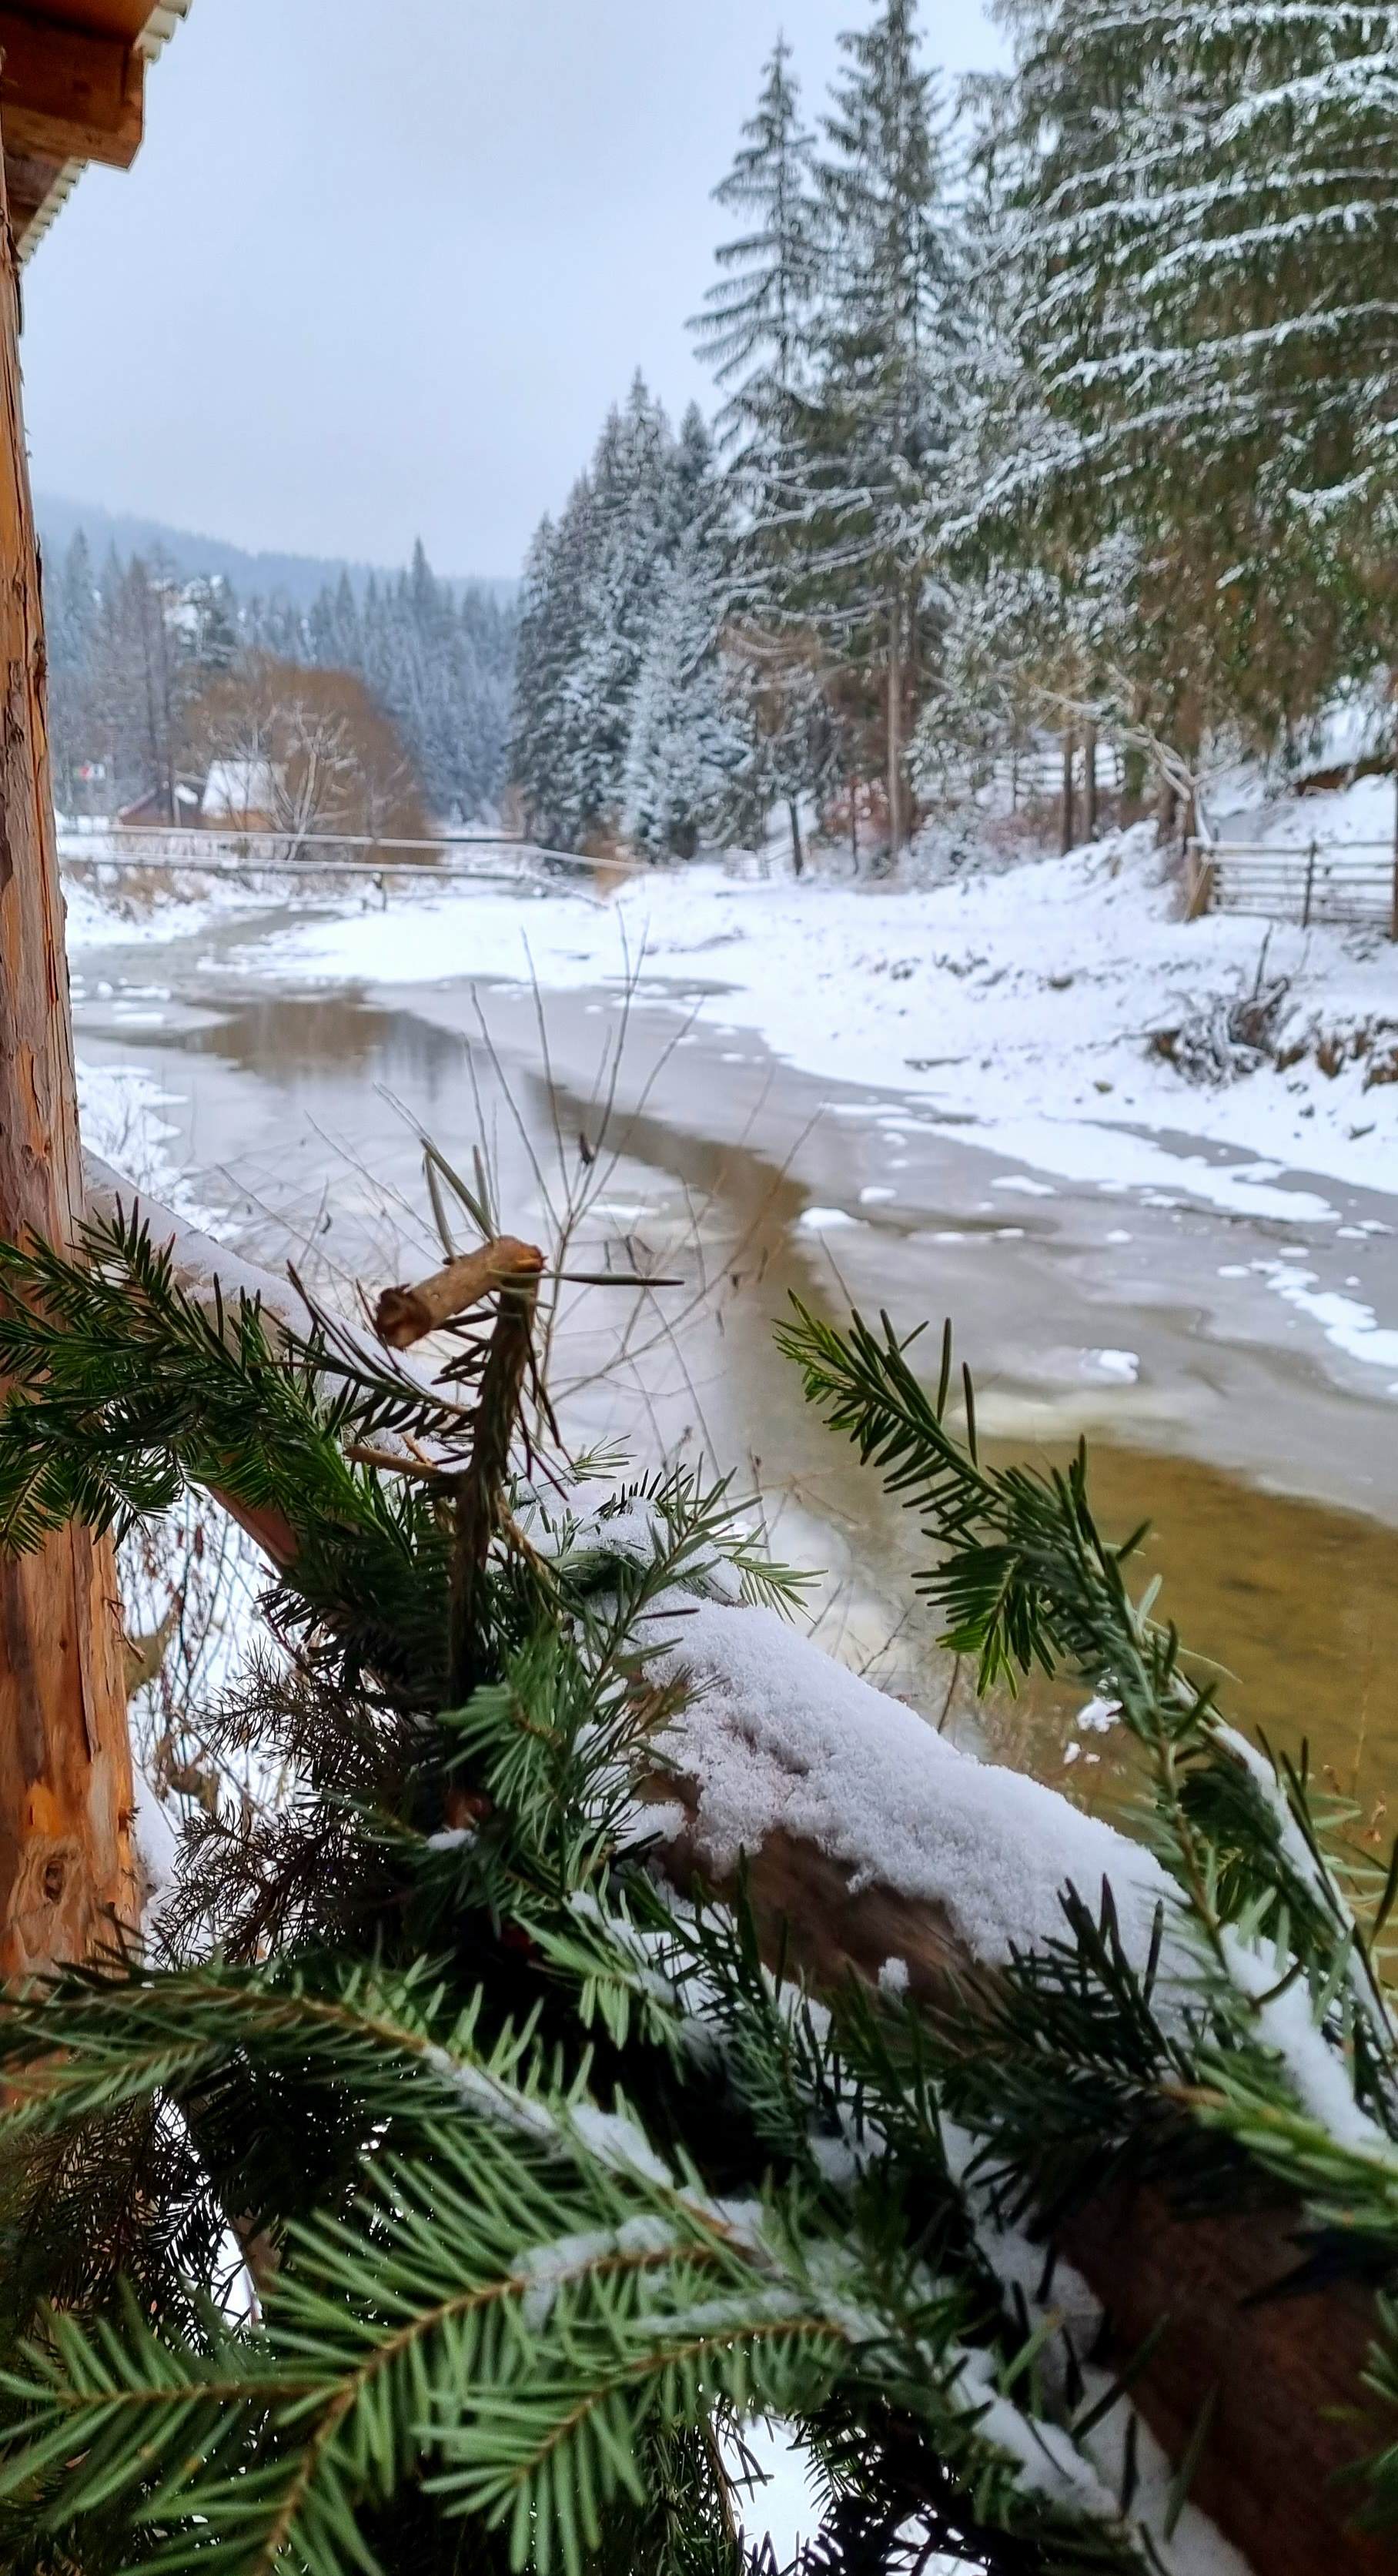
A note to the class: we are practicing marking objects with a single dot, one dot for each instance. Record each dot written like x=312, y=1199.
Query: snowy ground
x=111, y=914
x=1022, y=1003
x=122, y=1111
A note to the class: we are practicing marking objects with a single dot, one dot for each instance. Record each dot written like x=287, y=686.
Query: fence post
x=1310, y=882
x=1198, y=883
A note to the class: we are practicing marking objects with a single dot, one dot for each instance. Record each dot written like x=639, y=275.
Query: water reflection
x=1297, y=1599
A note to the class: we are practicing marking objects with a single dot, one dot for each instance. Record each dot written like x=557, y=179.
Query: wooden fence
x=1351, y=884
x=306, y=857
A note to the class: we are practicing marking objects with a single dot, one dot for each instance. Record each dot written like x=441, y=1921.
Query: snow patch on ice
x=825, y=1220
x=1099, y=1717
x=1122, y=1365
x=1351, y=1327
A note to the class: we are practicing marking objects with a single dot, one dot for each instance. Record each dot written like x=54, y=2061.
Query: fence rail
x=1350, y=884
x=304, y=856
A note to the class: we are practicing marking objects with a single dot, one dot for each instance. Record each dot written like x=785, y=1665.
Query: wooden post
x=1069, y=832
x=1310, y=888
x=65, y=1761
x=1199, y=881
x=1089, y=757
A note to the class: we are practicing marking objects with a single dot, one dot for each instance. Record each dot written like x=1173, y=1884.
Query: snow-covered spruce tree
x=687, y=740
x=333, y=627
x=631, y=531
x=879, y=419
x=70, y=622
x=983, y=714
x=759, y=328
x=550, y=717
x=455, y=2210
x=1007, y=650
x=540, y=661
x=759, y=320
x=795, y=753
x=758, y=317
x=1209, y=226
x=592, y=589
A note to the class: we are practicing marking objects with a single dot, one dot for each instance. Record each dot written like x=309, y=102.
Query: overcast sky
x=379, y=271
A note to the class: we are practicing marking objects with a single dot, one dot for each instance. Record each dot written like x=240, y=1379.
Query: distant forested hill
x=299, y=579
x=142, y=621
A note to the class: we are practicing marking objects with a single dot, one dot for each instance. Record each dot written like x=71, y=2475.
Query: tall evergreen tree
x=550, y=635
x=759, y=330
x=686, y=740
x=883, y=406
x=632, y=524
x=71, y=608
x=594, y=583
x=1209, y=231
x=758, y=320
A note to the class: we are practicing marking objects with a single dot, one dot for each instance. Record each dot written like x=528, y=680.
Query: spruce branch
x=559, y=2171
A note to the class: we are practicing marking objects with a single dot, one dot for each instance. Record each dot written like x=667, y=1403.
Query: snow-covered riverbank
x=1037, y=1004
x=1250, y=1347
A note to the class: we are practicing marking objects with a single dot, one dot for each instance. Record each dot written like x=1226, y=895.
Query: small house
x=242, y=796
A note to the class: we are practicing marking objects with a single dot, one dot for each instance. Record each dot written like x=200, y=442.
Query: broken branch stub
x=406, y=1315
x=480, y=1491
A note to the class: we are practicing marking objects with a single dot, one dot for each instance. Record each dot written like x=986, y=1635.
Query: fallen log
x=863, y=1837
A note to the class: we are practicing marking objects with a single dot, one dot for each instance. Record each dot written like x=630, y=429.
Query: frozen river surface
x=1235, y=1366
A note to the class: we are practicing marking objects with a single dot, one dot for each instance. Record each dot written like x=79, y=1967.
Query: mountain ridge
x=266, y=571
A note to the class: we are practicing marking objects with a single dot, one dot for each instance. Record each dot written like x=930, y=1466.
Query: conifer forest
x=1058, y=405
x=134, y=646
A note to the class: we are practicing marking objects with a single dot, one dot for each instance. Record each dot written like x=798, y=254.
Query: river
x=1179, y=1338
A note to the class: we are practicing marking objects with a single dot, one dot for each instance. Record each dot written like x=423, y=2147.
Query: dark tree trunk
x=1070, y=832
x=1089, y=759
x=896, y=832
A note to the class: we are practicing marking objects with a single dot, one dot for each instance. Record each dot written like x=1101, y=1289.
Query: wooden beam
x=68, y=95
x=66, y=1800
x=28, y=180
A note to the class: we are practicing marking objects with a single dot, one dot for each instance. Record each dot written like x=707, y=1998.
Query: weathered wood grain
x=65, y=1762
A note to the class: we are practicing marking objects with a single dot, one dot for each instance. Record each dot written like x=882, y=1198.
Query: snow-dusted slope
x=1024, y=1001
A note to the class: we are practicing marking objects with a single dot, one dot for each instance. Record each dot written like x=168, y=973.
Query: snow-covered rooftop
x=235, y=789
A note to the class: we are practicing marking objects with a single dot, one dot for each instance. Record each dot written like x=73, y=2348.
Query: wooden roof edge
x=154, y=36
